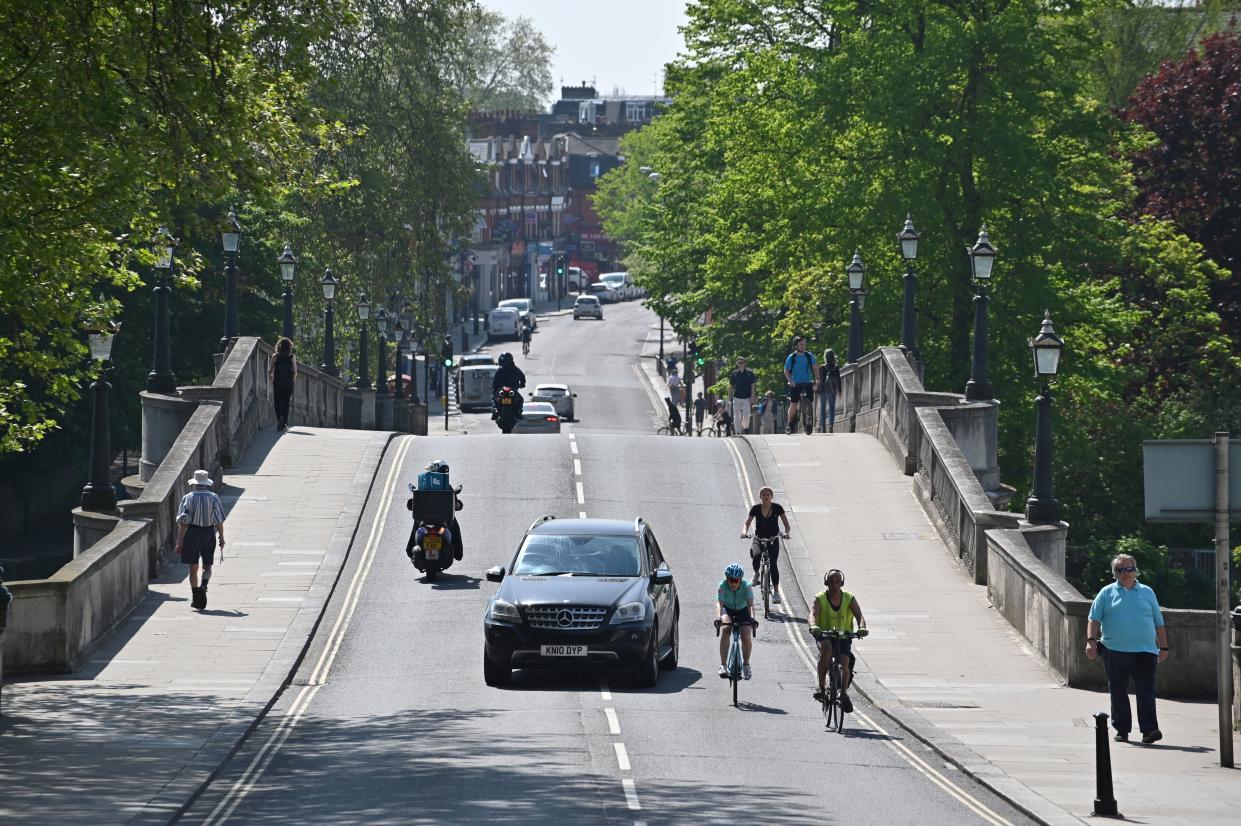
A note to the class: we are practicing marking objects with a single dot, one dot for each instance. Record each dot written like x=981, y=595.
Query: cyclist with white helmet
x=735, y=601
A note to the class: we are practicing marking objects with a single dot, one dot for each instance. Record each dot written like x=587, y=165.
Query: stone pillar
x=368, y=409
x=383, y=412
x=974, y=428
x=91, y=526
x=1048, y=542
x=400, y=411
x=418, y=419
x=163, y=418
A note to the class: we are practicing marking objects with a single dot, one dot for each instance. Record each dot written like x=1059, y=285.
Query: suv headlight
x=504, y=611
x=629, y=612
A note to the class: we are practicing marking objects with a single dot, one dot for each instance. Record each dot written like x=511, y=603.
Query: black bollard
x=1105, y=799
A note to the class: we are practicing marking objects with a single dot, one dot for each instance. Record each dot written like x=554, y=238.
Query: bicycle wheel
x=713, y=432
x=806, y=414
x=665, y=431
x=836, y=683
x=764, y=578
x=829, y=711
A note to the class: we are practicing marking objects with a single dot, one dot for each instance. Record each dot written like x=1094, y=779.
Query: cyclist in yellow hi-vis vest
x=835, y=610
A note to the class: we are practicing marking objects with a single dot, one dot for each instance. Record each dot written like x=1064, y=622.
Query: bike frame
x=735, y=657
x=833, y=713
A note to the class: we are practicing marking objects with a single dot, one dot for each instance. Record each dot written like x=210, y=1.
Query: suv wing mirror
x=495, y=574
x=662, y=576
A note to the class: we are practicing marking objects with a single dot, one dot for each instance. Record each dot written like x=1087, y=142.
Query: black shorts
x=739, y=616
x=795, y=392
x=199, y=542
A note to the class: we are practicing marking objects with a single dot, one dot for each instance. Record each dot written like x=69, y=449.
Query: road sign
x=1179, y=477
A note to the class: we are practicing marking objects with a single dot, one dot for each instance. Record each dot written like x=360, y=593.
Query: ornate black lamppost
x=364, y=313
x=288, y=269
x=982, y=257
x=328, y=283
x=857, y=275
x=99, y=494
x=411, y=331
x=908, y=238
x=161, y=379
x=382, y=324
x=398, y=342
x=1042, y=507
x=230, y=237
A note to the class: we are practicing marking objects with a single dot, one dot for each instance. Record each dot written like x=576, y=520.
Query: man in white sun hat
x=199, y=520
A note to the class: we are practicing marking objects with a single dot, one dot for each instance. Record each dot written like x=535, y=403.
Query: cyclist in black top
x=525, y=338
x=766, y=516
x=674, y=415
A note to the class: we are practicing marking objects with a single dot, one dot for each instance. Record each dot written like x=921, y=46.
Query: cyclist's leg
x=845, y=648
x=773, y=557
x=726, y=629
x=756, y=556
x=825, y=658
x=794, y=395
x=747, y=642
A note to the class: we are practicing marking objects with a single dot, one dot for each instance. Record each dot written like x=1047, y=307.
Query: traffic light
x=560, y=266
x=695, y=354
x=446, y=351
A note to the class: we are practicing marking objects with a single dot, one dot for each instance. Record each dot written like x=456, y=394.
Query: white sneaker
x=775, y=597
x=745, y=671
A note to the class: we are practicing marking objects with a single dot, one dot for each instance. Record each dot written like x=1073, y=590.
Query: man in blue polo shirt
x=1126, y=628
x=799, y=373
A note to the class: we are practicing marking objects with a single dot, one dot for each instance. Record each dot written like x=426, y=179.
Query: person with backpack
x=799, y=373
x=829, y=389
x=282, y=373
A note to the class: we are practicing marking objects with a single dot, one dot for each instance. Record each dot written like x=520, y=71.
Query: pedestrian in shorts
x=200, y=520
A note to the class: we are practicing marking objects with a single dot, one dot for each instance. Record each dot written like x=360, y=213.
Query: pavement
x=169, y=694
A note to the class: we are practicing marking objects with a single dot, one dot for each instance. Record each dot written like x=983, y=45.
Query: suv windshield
x=586, y=555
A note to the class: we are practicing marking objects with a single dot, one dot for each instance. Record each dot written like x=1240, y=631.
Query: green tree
x=504, y=63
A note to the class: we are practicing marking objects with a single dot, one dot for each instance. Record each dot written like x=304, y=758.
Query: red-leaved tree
x=1193, y=176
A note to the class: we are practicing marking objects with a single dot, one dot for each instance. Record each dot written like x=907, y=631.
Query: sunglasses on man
x=1127, y=569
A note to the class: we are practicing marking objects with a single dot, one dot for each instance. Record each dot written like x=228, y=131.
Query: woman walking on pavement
x=282, y=374
x=829, y=389
x=1126, y=628
x=199, y=520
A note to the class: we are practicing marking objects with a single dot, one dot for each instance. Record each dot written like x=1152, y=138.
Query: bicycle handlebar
x=838, y=635
x=751, y=622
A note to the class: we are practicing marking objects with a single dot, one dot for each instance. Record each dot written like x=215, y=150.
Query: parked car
x=558, y=396
x=524, y=306
x=583, y=591
x=620, y=284
x=504, y=322
x=473, y=359
x=474, y=386
x=587, y=306
x=577, y=280
x=602, y=291
x=538, y=417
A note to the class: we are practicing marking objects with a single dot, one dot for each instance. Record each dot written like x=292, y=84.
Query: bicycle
x=670, y=429
x=805, y=414
x=525, y=348
x=833, y=713
x=764, y=567
x=735, y=657
x=712, y=431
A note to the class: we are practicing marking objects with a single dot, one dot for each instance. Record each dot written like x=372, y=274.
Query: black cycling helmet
x=437, y=466
x=506, y=359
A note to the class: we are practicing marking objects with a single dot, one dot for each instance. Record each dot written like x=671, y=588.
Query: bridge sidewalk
x=132, y=735
x=938, y=653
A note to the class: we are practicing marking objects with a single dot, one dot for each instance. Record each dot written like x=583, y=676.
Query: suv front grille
x=565, y=617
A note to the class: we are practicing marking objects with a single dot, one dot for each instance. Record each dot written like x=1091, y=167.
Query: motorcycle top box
x=432, y=506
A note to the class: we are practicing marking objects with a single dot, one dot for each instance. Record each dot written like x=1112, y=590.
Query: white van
x=474, y=386
x=524, y=306
x=504, y=322
x=620, y=284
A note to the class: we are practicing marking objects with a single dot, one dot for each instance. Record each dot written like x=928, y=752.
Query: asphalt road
x=389, y=720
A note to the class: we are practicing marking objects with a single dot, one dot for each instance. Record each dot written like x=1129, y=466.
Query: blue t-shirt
x=1129, y=617
x=801, y=367
x=737, y=600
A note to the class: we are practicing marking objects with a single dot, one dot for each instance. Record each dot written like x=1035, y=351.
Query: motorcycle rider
x=453, y=532
x=509, y=375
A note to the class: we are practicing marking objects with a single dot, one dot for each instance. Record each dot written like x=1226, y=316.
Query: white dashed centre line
x=631, y=794
x=577, y=471
x=581, y=494
x=613, y=723
x=573, y=446
x=622, y=756
x=581, y=515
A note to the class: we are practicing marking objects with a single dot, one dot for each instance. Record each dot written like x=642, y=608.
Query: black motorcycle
x=508, y=409
x=435, y=539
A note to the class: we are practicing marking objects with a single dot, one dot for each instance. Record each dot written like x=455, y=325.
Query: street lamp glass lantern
x=398, y=330
x=1046, y=348
x=328, y=283
x=231, y=236
x=856, y=271
x=288, y=264
x=381, y=321
x=364, y=308
x=861, y=299
x=909, y=239
x=165, y=244
x=982, y=256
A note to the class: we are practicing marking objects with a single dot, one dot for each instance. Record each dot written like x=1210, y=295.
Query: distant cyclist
x=835, y=609
x=735, y=601
x=525, y=338
x=766, y=516
x=799, y=373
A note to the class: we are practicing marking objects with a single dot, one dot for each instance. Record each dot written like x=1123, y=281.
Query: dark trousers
x=282, y=396
x=773, y=554
x=1121, y=667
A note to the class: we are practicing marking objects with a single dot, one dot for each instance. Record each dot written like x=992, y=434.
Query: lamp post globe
x=856, y=272
x=230, y=239
x=161, y=379
x=1046, y=347
x=99, y=493
x=364, y=314
x=908, y=239
x=982, y=260
x=288, y=271
x=328, y=283
x=398, y=342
